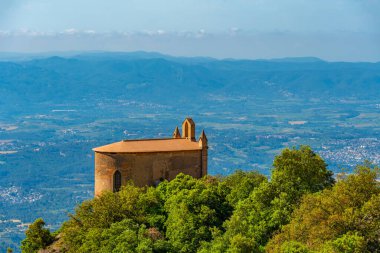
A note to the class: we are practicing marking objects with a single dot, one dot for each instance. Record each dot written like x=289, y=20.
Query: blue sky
x=347, y=30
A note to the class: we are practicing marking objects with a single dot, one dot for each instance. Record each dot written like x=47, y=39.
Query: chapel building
x=150, y=161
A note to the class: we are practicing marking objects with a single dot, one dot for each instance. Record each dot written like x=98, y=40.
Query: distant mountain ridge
x=17, y=56
x=152, y=75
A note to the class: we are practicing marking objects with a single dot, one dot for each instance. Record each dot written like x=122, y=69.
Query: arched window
x=116, y=181
x=186, y=130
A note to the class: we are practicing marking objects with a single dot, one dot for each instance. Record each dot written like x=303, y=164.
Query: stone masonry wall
x=146, y=168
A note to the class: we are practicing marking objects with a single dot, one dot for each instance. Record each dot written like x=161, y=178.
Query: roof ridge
x=153, y=139
x=149, y=145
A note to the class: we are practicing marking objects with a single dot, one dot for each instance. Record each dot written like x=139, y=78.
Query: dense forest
x=302, y=207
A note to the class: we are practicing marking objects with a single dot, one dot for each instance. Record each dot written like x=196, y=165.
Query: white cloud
x=232, y=43
x=71, y=31
x=89, y=32
x=174, y=15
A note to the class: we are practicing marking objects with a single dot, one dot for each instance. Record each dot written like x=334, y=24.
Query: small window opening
x=116, y=181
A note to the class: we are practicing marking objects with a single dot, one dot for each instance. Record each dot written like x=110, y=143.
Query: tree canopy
x=344, y=218
x=299, y=208
x=37, y=237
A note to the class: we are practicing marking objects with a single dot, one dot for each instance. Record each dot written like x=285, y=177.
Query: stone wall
x=147, y=168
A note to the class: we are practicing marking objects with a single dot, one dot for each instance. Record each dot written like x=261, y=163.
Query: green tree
x=368, y=222
x=194, y=207
x=118, y=222
x=269, y=206
x=302, y=170
x=347, y=243
x=240, y=184
x=294, y=247
x=37, y=237
x=350, y=208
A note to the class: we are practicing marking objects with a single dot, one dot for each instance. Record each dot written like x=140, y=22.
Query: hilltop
x=300, y=209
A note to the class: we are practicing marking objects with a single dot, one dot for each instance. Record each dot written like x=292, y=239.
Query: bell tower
x=188, y=129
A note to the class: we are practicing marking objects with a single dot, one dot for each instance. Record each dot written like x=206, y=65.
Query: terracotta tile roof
x=149, y=145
